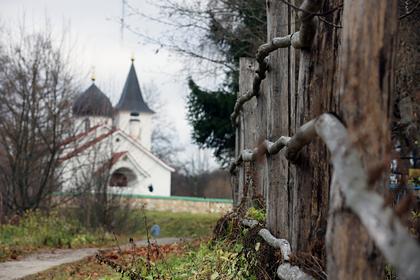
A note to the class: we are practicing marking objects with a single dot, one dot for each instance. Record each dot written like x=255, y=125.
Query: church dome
x=93, y=102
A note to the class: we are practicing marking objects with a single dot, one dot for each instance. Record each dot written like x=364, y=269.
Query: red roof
x=115, y=157
x=87, y=145
x=78, y=136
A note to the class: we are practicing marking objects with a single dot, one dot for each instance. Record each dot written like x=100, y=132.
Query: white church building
x=116, y=139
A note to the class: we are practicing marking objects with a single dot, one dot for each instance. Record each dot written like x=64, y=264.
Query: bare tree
x=212, y=32
x=36, y=90
x=165, y=142
x=91, y=184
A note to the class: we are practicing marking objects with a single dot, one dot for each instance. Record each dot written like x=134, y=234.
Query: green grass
x=176, y=224
x=210, y=260
x=36, y=230
x=219, y=260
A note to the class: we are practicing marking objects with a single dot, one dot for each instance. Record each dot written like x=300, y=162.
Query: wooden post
x=311, y=178
x=368, y=40
x=248, y=132
x=278, y=122
x=237, y=182
x=261, y=128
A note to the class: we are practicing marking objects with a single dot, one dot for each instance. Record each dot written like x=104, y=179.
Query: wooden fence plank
x=315, y=95
x=248, y=132
x=369, y=30
x=278, y=122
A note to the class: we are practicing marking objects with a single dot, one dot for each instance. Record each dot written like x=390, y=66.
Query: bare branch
x=266, y=147
x=299, y=40
x=281, y=244
x=391, y=237
x=384, y=227
x=285, y=271
x=249, y=223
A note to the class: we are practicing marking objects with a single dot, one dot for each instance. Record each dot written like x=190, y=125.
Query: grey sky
x=93, y=25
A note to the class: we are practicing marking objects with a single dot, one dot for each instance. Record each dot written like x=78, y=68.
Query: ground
x=59, y=260
x=38, y=243
x=90, y=268
x=36, y=231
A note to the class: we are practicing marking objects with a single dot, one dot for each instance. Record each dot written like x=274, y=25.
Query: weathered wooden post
x=368, y=40
x=278, y=121
x=311, y=177
x=246, y=129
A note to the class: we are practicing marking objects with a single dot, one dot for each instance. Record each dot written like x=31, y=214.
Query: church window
x=119, y=180
x=150, y=187
x=134, y=114
x=123, y=177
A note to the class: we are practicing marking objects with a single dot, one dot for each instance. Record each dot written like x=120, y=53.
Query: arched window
x=122, y=177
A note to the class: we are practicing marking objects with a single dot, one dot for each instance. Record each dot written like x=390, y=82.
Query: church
x=114, y=143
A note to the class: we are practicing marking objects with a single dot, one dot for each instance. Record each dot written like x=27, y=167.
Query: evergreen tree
x=236, y=32
x=209, y=114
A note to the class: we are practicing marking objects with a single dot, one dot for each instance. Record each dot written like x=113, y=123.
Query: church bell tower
x=133, y=115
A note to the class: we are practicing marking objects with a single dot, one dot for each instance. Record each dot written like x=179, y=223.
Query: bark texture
x=309, y=179
x=246, y=132
x=406, y=122
x=278, y=121
x=368, y=40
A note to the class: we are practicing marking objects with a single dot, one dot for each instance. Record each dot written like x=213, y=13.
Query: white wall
x=147, y=169
x=159, y=176
x=122, y=121
x=79, y=169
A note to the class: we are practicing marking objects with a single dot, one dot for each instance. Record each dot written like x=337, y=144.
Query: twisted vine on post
x=300, y=39
x=391, y=237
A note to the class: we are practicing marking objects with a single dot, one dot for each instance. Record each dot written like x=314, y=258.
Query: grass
x=36, y=230
x=178, y=224
x=87, y=268
x=212, y=260
x=198, y=259
x=205, y=260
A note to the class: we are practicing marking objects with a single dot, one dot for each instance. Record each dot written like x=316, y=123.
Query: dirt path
x=42, y=261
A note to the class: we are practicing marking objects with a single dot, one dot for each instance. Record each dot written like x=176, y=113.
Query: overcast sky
x=99, y=45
